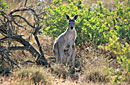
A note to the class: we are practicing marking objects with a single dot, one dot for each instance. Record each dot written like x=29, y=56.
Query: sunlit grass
x=34, y=74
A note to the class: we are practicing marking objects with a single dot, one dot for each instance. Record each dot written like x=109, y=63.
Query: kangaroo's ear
x=67, y=17
x=75, y=17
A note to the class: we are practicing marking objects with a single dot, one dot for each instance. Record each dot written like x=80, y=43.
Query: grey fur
x=64, y=46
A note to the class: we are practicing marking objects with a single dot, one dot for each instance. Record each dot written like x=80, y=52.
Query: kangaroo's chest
x=71, y=36
x=67, y=38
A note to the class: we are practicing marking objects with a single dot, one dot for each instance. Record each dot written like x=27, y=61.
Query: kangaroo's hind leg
x=73, y=54
x=57, y=57
x=69, y=55
x=61, y=55
x=56, y=52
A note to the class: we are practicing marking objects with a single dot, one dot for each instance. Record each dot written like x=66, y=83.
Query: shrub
x=122, y=51
x=92, y=25
x=3, y=5
x=100, y=27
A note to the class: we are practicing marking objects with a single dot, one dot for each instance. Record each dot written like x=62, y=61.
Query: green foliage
x=100, y=27
x=119, y=46
x=92, y=25
x=123, y=56
x=3, y=4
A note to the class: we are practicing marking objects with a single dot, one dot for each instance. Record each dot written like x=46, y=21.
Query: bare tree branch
x=8, y=30
x=5, y=54
x=24, y=20
x=17, y=24
x=18, y=48
x=28, y=61
x=25, y=3
x=38, y=43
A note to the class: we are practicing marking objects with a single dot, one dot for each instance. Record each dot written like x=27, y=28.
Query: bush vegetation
x=98, y=27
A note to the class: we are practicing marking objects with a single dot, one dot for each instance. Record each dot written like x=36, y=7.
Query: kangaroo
x=65, y=40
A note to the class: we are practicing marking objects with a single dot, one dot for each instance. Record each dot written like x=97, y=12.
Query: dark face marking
x=71, y=24
x=71, y=21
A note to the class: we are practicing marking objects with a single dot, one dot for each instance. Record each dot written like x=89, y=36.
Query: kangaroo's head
x=71, y=22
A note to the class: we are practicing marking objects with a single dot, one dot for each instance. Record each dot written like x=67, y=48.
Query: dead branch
x=23, y=19
x=25, y=3
x=18, y=48
x=5, y=54
x=7, y=29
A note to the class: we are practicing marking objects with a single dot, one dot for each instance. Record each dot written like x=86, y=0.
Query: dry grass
x=4, y=68
x=30, y=75
x=93, y=63
x=60, y=70
x=36, y=74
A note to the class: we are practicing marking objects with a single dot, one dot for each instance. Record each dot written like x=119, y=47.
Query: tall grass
x=33, y=75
